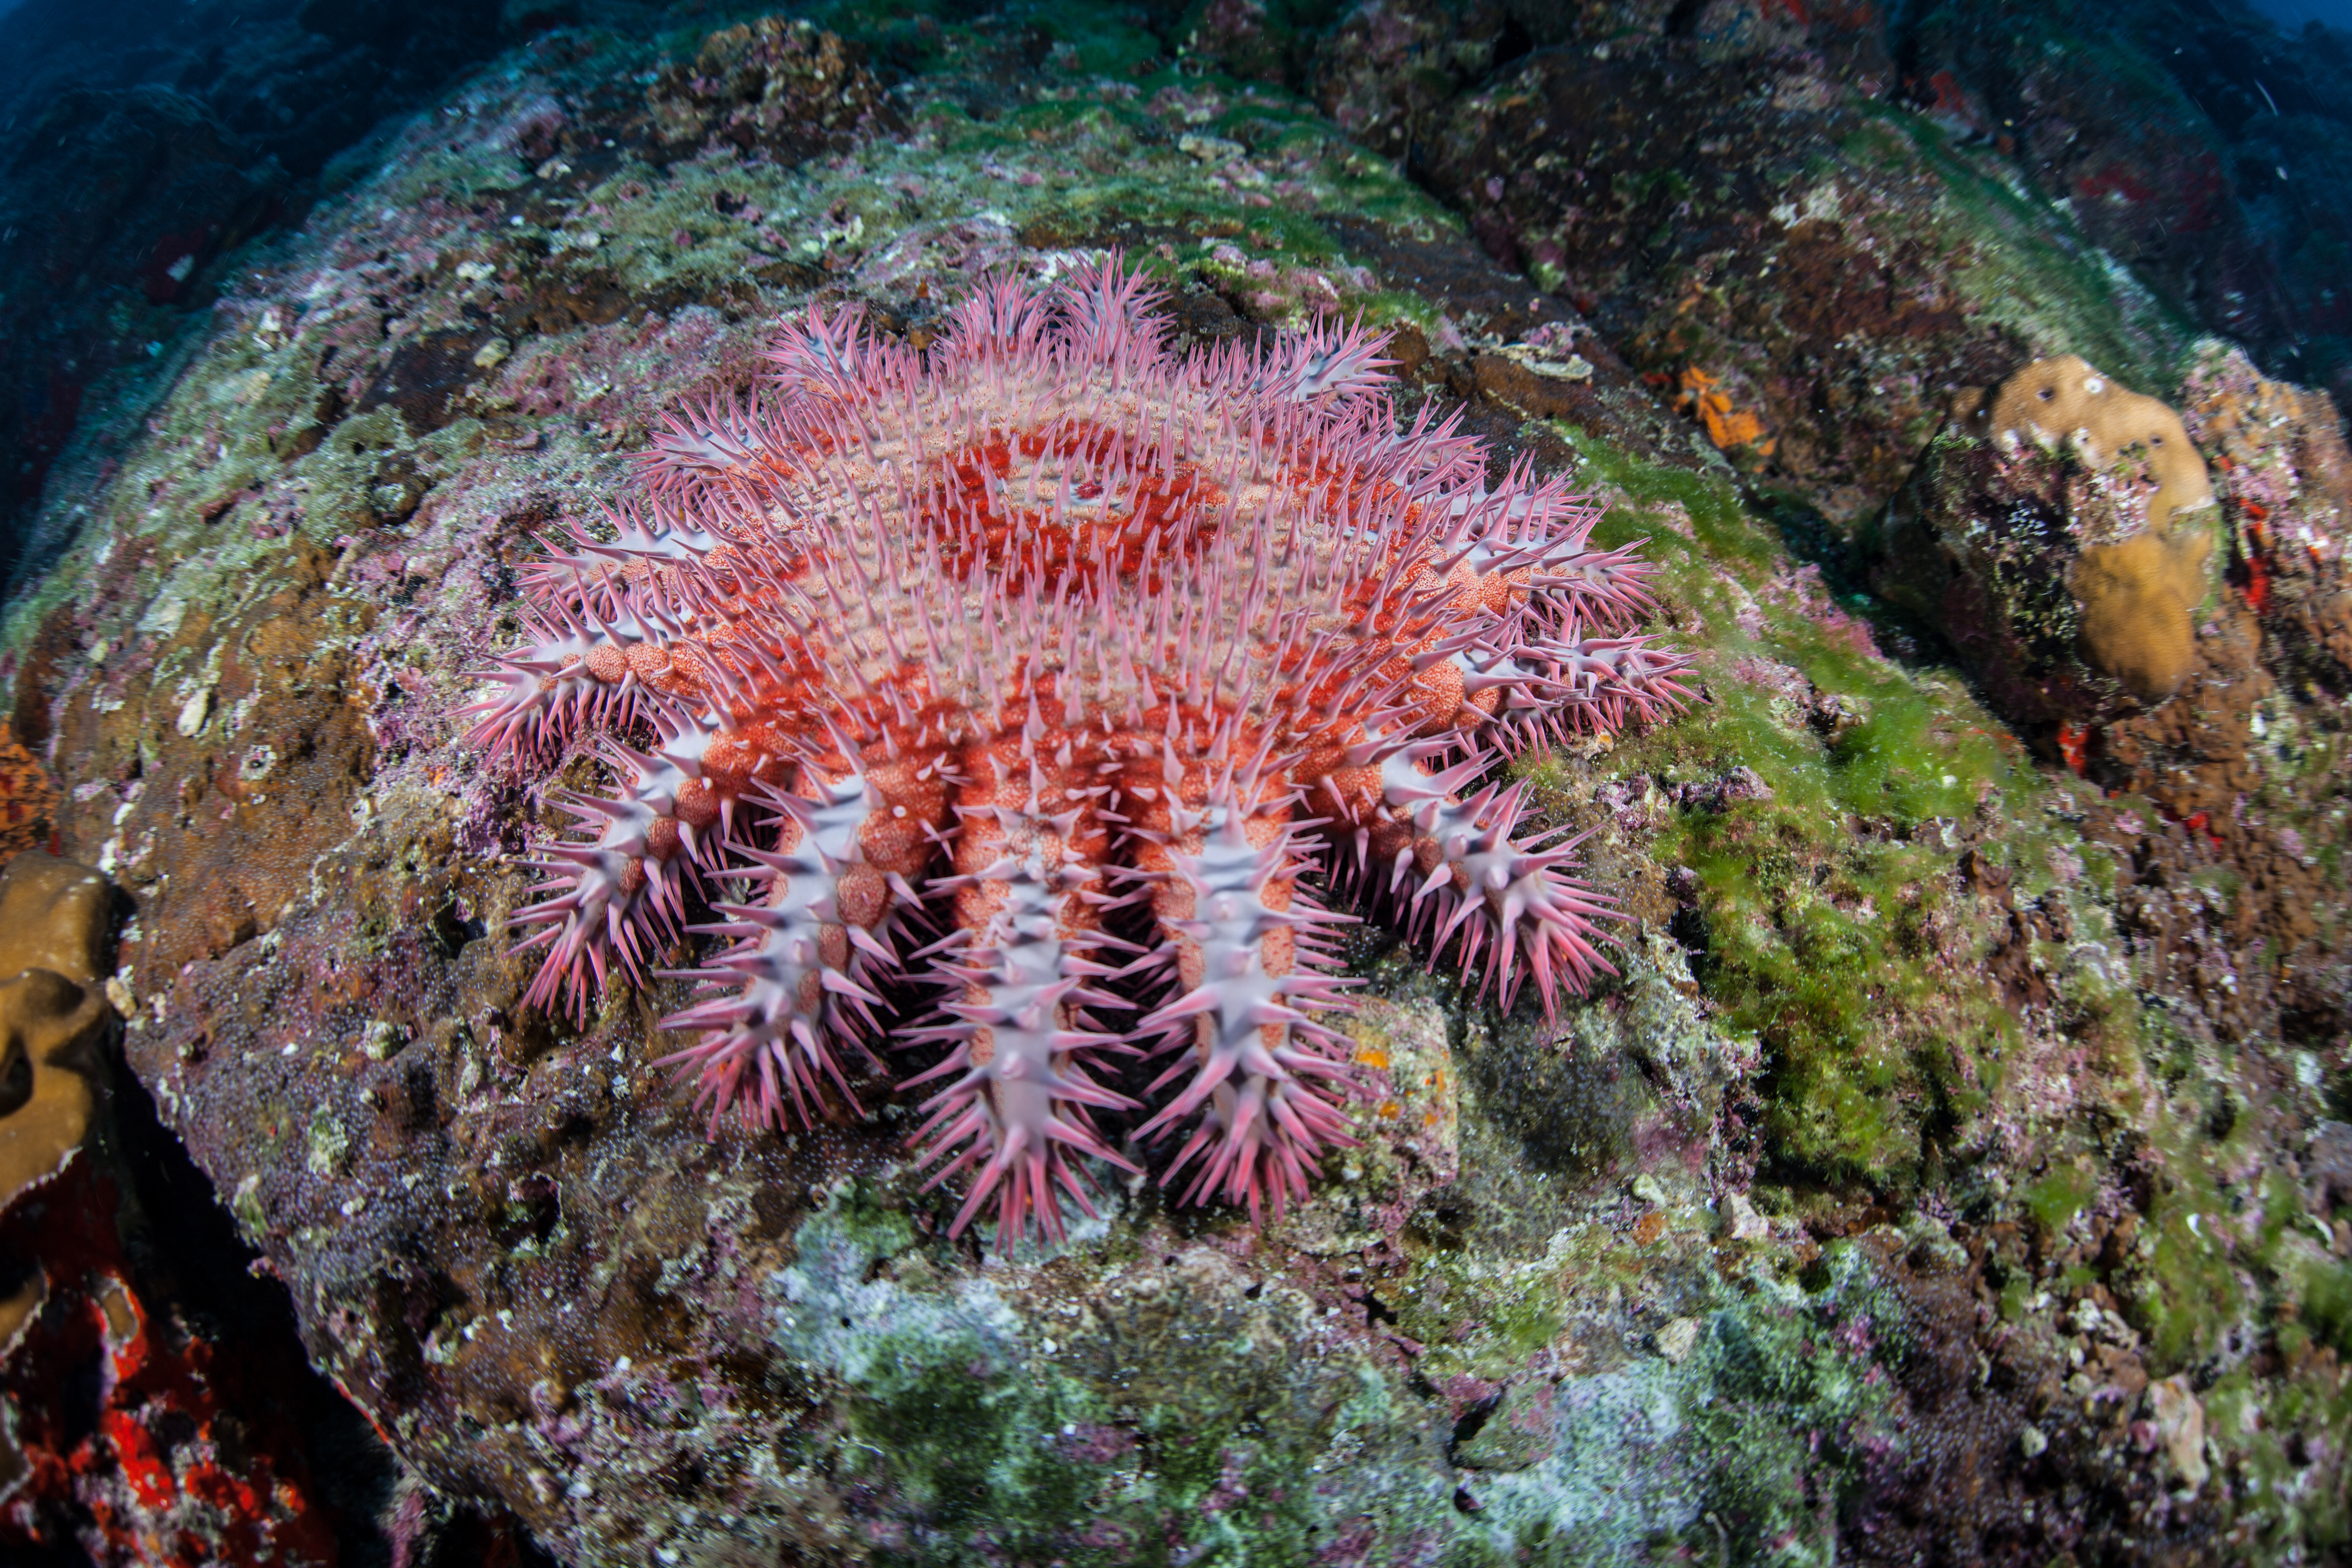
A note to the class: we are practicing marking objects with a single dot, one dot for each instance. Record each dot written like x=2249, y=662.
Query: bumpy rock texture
x=1806, y=272
x=1959, y=1167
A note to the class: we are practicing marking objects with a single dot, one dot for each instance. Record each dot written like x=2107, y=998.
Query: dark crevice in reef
x=1682, y=20
x=182, y=1240
x=1474, y=1420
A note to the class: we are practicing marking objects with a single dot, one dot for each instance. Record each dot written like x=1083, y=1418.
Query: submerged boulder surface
x=1955, y=1162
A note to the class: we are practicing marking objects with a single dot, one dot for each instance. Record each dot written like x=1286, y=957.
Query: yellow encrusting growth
x=2139, y=603
x=2139, y=595
x=2065, y=400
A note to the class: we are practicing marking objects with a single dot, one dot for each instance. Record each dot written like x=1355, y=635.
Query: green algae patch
x=2325, y=1288
x=2270, y=1432
x=1826, y=878
x=1722, y=529
x=1507, y=1311
x=2187, y=1298
x=2270, y=1424
x=2058, y=1197
x=964, y=1450
x=1740, y=1425
x=1116, y=140
x=1149, y=1412
x=1226, y=190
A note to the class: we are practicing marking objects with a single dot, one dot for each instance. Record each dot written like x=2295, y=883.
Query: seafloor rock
x=1386, y=71
x=2285, y=480
x=1711, y=183
x=1808, y=275
x=1251, y=39
x=2235, y=768
x=1945, y=1105
x=783, y=86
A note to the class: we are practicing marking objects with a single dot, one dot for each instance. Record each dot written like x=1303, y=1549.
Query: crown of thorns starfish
x=1046, y=666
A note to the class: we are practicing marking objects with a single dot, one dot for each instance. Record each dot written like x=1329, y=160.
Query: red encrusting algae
x=1083, y=651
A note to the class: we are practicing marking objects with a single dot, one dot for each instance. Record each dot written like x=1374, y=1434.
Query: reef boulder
x=1925, y=1185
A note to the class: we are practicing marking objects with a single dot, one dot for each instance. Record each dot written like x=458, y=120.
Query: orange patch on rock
x=1704, y=398
x=28, y=801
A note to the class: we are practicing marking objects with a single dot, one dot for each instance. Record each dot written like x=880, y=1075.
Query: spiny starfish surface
x=1045, y=666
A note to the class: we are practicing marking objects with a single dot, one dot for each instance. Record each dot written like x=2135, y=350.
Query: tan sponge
x=2139, y=595
x=54, y=919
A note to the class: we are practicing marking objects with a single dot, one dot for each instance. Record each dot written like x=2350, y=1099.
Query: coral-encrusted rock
x=1807, y=278
x=2244, y=761
x=1386, y=71
x=2284, y=480
x=54, y=919
x=2066, y=559
x=778, y=85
